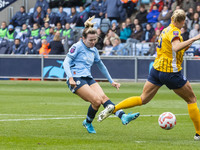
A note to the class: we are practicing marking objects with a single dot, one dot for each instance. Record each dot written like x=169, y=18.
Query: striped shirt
x=168, y=60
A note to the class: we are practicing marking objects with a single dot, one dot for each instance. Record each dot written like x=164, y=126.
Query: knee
x=104, y=98
x=192, y=99
x=97, y=102
x=145, y=100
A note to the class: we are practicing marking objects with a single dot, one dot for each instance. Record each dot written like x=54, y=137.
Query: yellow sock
x=129, y=102
x=195, y=116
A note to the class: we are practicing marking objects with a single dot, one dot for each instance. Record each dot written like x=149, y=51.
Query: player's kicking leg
x=149, y=91
x=126, y=118
x=106, y=112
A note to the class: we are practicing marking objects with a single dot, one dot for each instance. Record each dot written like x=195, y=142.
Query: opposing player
x=166, y=70
x=77, y=66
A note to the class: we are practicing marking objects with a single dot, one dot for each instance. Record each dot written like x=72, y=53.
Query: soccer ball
x=167, y=120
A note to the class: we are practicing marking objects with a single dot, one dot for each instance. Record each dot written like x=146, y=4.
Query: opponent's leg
x=195, y=117
x=128, y=103
x=149, y=91
x=187, y=94
x=125, y=118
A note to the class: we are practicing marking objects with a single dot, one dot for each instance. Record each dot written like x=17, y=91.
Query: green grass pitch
x=37, y=115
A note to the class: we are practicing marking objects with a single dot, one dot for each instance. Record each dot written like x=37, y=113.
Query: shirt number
x=160, y=42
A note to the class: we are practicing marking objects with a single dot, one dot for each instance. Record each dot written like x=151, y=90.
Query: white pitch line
x=140, y=141
x=39, y=115
x=69, y=117
x=159, y=115
x=59, y=118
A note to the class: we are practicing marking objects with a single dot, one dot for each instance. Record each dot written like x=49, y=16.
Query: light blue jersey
x=79, y=60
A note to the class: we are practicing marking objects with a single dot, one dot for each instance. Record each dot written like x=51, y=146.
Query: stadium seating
x=77, y=9
x=55, y=10
x=145, y=1
x=190, y=51
x=145, y=48
x=106, y=21
x=31, y=10
x=104, y=28
x=137, y=48
x=78, y=33
x=97, y=22
x=105, y=25
x=134, y=48
x=17, y=29
x=67, y=10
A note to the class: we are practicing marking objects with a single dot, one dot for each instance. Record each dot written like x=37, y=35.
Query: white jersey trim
x=174, y=66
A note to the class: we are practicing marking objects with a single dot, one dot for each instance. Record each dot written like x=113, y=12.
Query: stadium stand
x=132, y=47
x=105, y=25
x=97, y=22
x=67, y=10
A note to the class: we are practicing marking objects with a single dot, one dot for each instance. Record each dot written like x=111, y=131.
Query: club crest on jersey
x=78, y=82
x=175, y=33
x=72, y=50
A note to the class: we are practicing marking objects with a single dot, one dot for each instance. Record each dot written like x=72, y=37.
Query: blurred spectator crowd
x=124, y=27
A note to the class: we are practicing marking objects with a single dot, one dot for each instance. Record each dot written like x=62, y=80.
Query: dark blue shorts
x=80, y=81
x=171, y=80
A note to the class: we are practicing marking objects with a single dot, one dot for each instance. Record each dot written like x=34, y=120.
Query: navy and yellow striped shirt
x=168, y=60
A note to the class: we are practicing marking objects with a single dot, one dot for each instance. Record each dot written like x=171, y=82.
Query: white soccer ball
x=167, y=120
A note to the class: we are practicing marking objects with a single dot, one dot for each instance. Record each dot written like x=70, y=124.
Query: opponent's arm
x=177, y=45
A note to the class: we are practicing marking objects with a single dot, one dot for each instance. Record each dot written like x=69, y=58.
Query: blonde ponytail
x=89, y=27
x=178, y=16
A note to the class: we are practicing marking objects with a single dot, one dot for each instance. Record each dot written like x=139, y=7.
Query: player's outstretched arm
x=177, y=45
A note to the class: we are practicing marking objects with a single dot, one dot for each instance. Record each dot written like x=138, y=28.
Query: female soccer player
x=77, y=65
x=166, y=70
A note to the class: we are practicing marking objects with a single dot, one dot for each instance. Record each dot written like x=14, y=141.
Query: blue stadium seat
x=77, y=33
x=106, y=20
x=67, y=10
x=17, y=29
x=137, y=49
x=97, y=22
x=87, y=9
x=190, y=51
x=31, y=10
x=105, y=25
x=55, y=10
x=104, y=28
x=88, y=1
x=145, y=48
x=145, y=1
x=196, y=44
x=77, y=9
